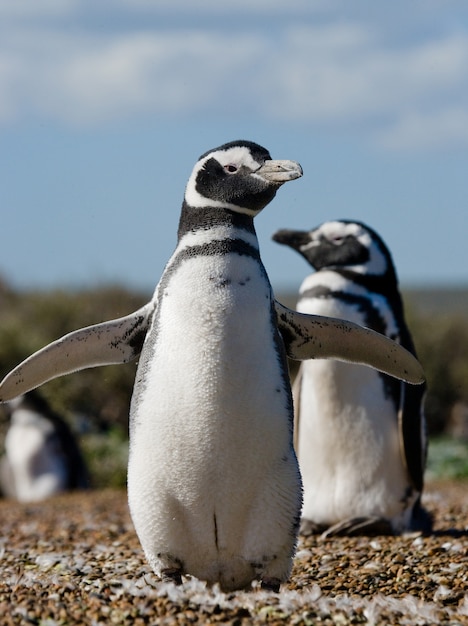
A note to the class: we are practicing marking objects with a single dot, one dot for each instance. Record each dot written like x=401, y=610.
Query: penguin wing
x=411, y=426
x=296, y=394
x=319, y=337
x=116, y=341
x=411, y=420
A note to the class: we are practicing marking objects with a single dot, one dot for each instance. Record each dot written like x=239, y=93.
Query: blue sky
x=105, y=107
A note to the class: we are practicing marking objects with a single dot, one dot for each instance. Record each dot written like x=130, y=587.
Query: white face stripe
x=330, y=230
x=238, y=155
x=335, y=229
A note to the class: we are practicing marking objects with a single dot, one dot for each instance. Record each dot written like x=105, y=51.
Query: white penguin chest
x=27, y=437
x=36, y=462
x=213, y=377
x=348, y=444
x=348, y=400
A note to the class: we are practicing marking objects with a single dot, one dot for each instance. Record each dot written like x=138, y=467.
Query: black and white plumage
x=213, y=481
x=213, y=378
x=360, y=435
x=42, y=457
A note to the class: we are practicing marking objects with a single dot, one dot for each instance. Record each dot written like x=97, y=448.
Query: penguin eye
x=230, y=168
x=337, y=240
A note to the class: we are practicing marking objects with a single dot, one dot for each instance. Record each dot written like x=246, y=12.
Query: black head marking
x=238, y=187
x=230, y=184
x=350, y=248
x=224, y=175
x=259, y=153
x=239, y=176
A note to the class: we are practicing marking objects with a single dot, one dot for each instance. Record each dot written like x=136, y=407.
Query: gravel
x=75, y=559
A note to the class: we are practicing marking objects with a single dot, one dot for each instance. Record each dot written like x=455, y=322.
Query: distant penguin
x=42, y=457
x=213, y=481
x=360, y=435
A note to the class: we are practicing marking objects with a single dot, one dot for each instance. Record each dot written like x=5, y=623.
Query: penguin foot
x=369, y=526
x=271, y=584
x=421, y=520
x=171, y=575
x=308, y=527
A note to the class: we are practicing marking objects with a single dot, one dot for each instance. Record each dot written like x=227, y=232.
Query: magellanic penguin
x=213, y=482
x=359, y=434
x=42, y=457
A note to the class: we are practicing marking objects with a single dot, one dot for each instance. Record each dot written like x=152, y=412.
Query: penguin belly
x=213, y=483
x=348, y=442
x=35, y=460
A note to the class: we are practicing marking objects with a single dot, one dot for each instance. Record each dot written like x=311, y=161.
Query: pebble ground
x=75, y=559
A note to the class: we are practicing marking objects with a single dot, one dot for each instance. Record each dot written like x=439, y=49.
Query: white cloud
x=355, y=78
x=161, y=72
x=32, y=9
x=215, y=8
x=87, y=79
x=340, y=73
x=448, y=127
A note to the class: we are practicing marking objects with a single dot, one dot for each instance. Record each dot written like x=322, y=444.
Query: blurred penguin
x=42, y=457
x=360, y=435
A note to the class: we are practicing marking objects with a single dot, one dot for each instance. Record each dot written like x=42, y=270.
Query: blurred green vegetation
x=106, y=455
x=447, y=458
x=30, y=320
x=96, y=402
x=439, y=325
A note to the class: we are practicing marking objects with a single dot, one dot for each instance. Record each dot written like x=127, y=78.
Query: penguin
x=360, y=435
x=212, y=378
x=214, y=487
x=42, y=457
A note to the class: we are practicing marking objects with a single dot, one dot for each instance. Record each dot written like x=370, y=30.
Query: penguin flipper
x=112, y=342
x=413, y=443
x=318, y=337
x=296, y=394
x=369, y=526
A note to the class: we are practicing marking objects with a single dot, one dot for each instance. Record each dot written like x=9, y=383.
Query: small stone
x=76, y=559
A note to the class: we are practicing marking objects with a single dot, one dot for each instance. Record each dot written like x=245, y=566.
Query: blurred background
x=105, y=107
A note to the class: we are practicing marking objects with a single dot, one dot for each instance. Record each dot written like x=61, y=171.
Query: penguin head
x=240, y=176
x=341, y=244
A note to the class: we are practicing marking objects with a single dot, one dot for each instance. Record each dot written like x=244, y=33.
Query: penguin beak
x=293, y=238
x=279, y=172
